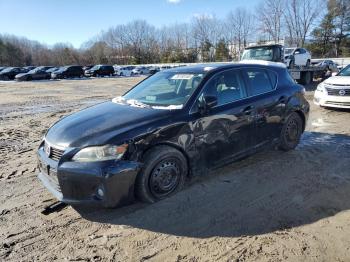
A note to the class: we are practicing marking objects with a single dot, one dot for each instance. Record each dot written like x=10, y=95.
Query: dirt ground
x=272, y=206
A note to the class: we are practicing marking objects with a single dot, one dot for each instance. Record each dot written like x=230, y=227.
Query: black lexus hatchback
x=173, y=125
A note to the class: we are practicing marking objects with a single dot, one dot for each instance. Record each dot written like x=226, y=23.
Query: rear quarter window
x=260, y=80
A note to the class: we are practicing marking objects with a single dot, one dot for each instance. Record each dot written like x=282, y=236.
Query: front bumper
x=108, y=183
x=323, y=99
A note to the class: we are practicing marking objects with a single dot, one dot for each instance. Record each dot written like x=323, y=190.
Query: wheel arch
x=173, y=145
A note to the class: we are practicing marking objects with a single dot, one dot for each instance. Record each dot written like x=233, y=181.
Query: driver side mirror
x=205, y=103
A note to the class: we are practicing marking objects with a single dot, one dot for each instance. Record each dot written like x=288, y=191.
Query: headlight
x=321, y=87
x=100, y=153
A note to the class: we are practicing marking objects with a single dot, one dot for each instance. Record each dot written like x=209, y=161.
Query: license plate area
x=48, y=171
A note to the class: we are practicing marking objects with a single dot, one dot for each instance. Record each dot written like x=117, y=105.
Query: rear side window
x=261, y=81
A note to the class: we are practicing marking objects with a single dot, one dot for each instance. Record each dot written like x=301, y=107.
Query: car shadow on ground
x=269, y=191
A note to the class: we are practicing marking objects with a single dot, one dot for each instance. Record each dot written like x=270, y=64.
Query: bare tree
x=238, y=25
x=299, y=16
x=270, y=15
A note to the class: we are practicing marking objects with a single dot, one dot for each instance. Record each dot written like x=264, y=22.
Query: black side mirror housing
x=205, y=103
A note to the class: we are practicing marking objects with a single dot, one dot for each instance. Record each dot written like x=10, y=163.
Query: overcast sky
x=76, y=21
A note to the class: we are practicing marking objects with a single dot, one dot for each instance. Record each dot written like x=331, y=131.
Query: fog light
x=100, y=192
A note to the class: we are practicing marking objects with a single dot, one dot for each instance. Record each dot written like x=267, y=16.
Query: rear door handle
x=248, y=110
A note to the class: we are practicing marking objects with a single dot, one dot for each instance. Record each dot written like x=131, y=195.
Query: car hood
x=98, y=124
x=338, y=80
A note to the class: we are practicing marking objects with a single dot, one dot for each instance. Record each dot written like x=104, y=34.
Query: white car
x=125, y=71
x=140, y=70
x=334, y=91
x=297, y=57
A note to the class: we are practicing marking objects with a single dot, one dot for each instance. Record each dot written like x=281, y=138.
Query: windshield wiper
x=137, y=103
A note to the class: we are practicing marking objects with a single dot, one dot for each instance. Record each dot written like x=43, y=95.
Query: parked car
x=164, y=68
x=330, y=65
x=125, y=71
x=154, y=70
x=68, y=72
x=334, y=91
x=100, y=70
x=297, y=57
x=140, y=70
x=173, y=125
x=9, y=73
x=38, y=73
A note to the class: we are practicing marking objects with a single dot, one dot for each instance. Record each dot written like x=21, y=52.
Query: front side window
x=227, y=86
x=259, y=80
x=165, y=89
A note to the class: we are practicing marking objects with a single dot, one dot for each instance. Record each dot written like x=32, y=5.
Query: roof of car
x=205, y=68
x=263, y=45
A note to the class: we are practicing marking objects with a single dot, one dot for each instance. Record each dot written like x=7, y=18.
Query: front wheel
x=291, y=132
x=164, y=173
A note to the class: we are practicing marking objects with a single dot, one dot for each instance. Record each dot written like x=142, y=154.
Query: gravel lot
x=272, y=206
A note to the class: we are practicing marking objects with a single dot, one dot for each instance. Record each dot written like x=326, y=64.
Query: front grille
x=338, y=91
x=338, y=103
x=53, y=152
x=56, y=153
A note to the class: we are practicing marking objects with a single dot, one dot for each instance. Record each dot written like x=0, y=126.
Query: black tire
x=306, y=77
x=29, y=78
x=308, y=62
x=163, y=174
x=291, y=132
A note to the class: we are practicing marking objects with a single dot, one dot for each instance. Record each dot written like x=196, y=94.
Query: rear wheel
x=29, y=78
x=163, y=174
x=291, y=132
x=306, y=77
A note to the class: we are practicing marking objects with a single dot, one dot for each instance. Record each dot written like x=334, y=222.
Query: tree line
x=323, y=26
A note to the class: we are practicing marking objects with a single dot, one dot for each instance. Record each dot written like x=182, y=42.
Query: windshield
x=345, y=71
x=95, y=67
x=261, y=53
x=165, y=89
